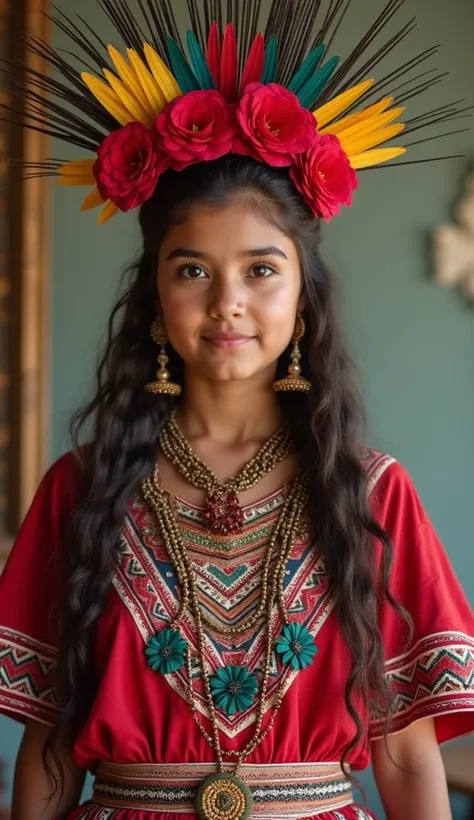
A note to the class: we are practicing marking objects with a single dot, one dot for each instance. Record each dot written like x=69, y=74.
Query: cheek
x=183, y=312
x=277, y=313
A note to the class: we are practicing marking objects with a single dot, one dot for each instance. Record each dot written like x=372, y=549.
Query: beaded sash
x=288, y=790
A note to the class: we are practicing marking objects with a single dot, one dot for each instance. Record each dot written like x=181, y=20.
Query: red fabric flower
x=129, y=162
x=325, y=177
x=274, y=126
x=196, y=127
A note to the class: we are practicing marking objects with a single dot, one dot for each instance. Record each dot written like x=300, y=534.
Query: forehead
x=226, y=231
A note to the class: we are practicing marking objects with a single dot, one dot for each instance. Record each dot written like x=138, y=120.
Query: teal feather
x=184, y=76
x=198, y=62
x=307, y=69
x=271, y=60
x=311, y=90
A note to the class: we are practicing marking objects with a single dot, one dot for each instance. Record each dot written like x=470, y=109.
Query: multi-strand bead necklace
x=223, y=513
x=224, y=796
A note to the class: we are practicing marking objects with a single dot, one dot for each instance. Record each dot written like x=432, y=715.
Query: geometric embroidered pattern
x=27, y=670
x=229, y=582
x=97, y=813
x=435, y=677
x=228, y=573
x=288, y=791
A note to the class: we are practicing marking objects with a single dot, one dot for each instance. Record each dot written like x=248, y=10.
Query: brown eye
x=192, y=272
x=262, y=270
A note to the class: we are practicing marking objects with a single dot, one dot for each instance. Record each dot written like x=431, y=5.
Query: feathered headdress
x=276, y=95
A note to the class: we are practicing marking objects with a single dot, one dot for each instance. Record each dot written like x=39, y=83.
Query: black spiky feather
x=61, y=105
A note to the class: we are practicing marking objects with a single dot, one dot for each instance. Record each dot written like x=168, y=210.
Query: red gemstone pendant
x=223, y=514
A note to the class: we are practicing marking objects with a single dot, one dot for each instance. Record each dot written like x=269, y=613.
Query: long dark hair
x=122, y=423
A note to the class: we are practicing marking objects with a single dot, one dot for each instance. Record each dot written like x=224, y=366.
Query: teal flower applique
x=296, y=646
x=166, y=651
x=233, y=688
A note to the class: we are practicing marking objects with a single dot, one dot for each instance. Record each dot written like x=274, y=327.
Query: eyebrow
x=269, y=250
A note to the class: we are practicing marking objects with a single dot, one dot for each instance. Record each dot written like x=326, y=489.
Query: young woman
x=223, y=602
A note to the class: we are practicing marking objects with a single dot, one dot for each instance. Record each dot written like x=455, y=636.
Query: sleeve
x=433, y=676
x=29, y=593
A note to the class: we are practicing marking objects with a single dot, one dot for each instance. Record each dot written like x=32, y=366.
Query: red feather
x=253, y=68
x=214, y=54
x=229, y=65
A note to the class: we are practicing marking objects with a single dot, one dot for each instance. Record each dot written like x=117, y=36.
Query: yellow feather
x=330, y=110
x=162, y=74
x=79, y=167
x=92, y=200
x=372, y=124
x=139, y=114
x=107, y=212
x=375, y=157
x=107, y=98
x=362, y=143
x=130, y=79
x=75, y=181
x=359, y=116
x=153, y=92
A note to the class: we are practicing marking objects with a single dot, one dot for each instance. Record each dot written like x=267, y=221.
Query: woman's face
x=229, y=287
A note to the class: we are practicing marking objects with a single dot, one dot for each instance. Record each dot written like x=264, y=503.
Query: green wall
x=414, y=343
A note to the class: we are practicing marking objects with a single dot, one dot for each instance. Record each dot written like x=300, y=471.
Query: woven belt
x=279, y=791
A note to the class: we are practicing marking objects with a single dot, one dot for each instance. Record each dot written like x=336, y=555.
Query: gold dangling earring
x=294, y=381
x=162, y=386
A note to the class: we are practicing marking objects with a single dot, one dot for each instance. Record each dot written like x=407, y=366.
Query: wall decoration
x=23, y=288
x=453, y=249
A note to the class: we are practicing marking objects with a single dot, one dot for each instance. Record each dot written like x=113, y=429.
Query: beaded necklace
x=224, y=795
x=223, y=513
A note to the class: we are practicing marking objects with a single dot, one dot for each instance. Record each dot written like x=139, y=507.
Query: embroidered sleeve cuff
x=27, y=671
x=435, y=679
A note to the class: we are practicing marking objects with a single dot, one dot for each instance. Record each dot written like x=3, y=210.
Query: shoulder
x=376, y=464
x=61, y=486
x=66, y=472
x=391, y=489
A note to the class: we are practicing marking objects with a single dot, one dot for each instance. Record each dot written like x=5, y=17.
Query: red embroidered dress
x=141, y=717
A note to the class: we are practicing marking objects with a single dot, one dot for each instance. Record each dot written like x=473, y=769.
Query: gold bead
x=284, y=534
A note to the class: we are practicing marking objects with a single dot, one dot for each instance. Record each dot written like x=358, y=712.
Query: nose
x=227, y=298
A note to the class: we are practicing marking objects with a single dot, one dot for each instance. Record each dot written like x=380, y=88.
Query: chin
x=237, y=375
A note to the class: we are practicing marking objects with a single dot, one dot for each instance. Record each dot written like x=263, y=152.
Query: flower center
x=166, y=652
x=234, y=688
x=195, y=128
x=224, y=801
x=274, y=131
x=297, y=647
x=322, y=175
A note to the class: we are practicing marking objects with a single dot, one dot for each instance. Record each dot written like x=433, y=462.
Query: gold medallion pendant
x=223, y=796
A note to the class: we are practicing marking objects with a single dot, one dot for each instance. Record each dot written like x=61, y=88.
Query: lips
x=227, y=339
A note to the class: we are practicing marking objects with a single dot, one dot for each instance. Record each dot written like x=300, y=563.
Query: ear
x=302, y=303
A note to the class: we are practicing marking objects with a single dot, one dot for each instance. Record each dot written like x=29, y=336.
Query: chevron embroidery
x=228, y=579
x=435, y=677
x=27, y=669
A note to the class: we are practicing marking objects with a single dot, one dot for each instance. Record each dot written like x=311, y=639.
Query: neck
x=228, y=412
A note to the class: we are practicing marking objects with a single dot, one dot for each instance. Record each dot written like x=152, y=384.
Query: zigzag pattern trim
x=435, y=677
x=27, y=672
x=92, y=812
x=147, y=585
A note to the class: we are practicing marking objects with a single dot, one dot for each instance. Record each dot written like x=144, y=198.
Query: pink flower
x=196, y=127
x=274, y=126
x=129, y=162
x=325, y=177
